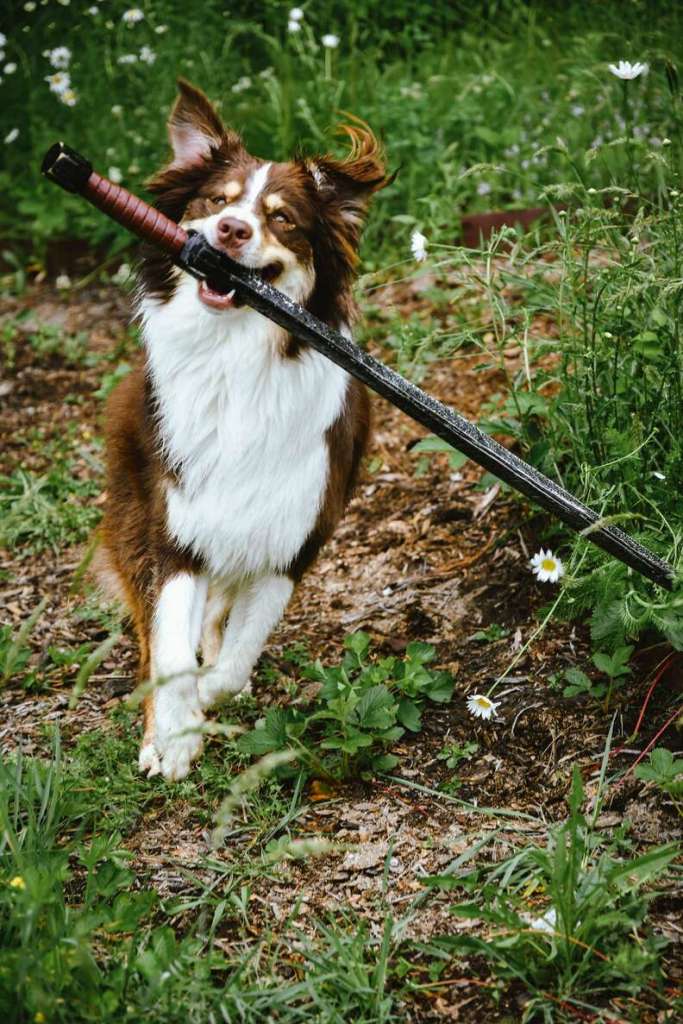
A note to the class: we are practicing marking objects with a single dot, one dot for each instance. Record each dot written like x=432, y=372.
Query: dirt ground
x=431, y=557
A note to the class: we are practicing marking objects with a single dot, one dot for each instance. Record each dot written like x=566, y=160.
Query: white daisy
x=68, y=98
x=59, y=57
x=294, y=26
x=296, y=14
x=546, y=567
x=59, y=82
x=9, y=69
x=160, y=29
x=418, y=246
x=147, y=55
x=132, y=16
x=3, y=39
x=481, y=706
x=114, y=174
x=330, y=41
x=627, y=71
x=127, y=58
x=11, y=136
x=63, y=281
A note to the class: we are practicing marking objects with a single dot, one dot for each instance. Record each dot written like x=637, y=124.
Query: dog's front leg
x=173, y=739
x=257, y=609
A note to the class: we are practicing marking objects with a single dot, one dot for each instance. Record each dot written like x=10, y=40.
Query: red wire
x=660, y=670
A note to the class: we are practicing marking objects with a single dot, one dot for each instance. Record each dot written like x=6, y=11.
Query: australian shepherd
x=233, y=450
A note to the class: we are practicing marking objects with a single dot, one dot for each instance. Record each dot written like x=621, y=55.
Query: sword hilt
x=74, y=173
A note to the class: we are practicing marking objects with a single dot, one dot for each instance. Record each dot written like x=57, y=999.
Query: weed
x=46, y=511
x=362, y=707
x=490, y=634
x=588, y=943
x=666, y=772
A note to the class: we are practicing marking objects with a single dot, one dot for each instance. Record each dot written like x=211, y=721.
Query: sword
x=191, y=251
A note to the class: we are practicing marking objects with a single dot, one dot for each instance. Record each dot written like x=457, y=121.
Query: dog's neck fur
x=242, y=429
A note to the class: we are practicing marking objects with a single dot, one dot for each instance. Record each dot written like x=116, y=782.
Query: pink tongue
x=214, y=299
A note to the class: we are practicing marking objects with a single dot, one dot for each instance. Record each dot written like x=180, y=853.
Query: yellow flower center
x=483, y=702
x=17, y=882
x=549, y=564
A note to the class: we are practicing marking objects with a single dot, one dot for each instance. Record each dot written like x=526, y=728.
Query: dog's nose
x=233, y=233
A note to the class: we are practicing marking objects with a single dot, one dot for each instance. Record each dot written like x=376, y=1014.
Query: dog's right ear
x=195, y=129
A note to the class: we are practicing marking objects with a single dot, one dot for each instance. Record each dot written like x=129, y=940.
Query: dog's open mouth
x=215, y=299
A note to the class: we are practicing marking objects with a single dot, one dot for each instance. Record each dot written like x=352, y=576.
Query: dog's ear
x=195, y=129
x=347, y=185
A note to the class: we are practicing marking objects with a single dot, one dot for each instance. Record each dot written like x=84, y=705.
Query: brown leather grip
x=135, y=214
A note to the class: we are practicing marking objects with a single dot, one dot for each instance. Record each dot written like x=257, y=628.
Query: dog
x=233, y=450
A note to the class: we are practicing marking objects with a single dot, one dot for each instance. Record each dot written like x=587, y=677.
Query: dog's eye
x=281, y=217
x=218, y=200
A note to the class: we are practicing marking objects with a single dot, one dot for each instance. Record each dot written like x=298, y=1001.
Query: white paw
x=178, y=754
x=217, y=684
x=148, y=760
x=178, y=740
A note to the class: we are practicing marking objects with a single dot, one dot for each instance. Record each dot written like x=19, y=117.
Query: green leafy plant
x=614, y=666
x=666, y=772
x=454, y=753
x=362, y=706
x=490, y=634
x=588, y=942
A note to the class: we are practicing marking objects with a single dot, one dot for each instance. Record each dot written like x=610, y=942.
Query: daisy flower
x=114, y=174
x=147, y=55
x=418, y=246
x=68, y=98
x=3, y=39
x=11, y=136
x=481, y=706
x=330, y=41
x=59, y=57
x=132, y=16
x=627, y=71
x=59, y=82
x=9, y=69
x=294, y=26
x=63, y=281
x=296, y=14
x=546, y=567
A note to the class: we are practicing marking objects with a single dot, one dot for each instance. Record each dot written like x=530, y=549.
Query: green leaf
x=376, y=709
x=409, y=715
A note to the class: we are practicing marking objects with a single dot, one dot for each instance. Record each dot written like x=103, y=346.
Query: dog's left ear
x=194, y=128
x=348, y=185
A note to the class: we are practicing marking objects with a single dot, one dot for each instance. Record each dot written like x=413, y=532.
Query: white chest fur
x=244, y=428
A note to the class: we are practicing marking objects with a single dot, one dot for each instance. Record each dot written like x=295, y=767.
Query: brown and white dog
x=233, y=450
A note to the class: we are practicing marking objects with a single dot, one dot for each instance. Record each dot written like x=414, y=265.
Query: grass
x=88, y=936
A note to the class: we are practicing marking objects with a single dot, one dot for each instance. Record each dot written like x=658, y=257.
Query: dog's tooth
x=231, y=295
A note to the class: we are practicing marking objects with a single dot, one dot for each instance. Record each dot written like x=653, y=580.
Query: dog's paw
x=178, y=754
x=148, y=760
x=218, y=684
x=178, y=739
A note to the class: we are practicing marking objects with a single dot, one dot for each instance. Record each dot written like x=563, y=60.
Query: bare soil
x=431, y=557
